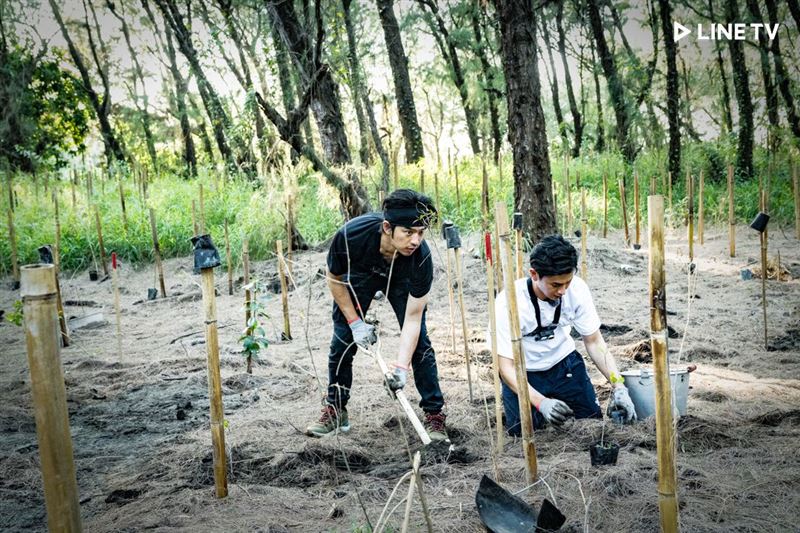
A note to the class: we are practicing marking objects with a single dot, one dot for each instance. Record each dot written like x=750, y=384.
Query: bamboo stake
x=195, y=227
x=458, y=188
x=624, y=210
x=700, y=211
x=122, y=203
x=517, y=227
x=459, y=281
x=115, y=281
x=289, y=231
x=47, y=257
x=498, y=401
x=99, y=228
x=49, y=398
x=450, y=295
x=526, y=417
x=287, y=330
x=57, y=249
x=605, y=204
x=484, y=190
x=665, y=432
x=498, y=265
x=410, y=497
x=731, y=215
x=583, y=235
x=421, y=493
x=246, y=267
x=568, y=192
x=202, y=223
x=157, y=253
x=436, y=197
x=12, y=239
x=214, y=383
x=638, y=243
x=796, y=182
x=228, y=258
x=690, y=213
x=763, y=240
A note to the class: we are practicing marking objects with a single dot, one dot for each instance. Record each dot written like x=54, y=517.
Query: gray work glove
x=363, y=333
x=555, y=411
x=621, y=401
x=396, y=379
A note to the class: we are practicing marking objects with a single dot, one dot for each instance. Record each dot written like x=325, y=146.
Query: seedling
x=15, y=316
x=254, y=337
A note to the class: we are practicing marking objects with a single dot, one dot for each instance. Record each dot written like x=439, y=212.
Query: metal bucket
x=641, y=386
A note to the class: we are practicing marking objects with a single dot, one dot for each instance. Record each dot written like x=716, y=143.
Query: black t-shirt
x=362, y=238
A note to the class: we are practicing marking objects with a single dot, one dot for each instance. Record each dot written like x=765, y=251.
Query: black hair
x=554, y=256
x=411, y=199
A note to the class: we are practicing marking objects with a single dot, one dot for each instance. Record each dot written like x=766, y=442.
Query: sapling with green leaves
x=254, y=337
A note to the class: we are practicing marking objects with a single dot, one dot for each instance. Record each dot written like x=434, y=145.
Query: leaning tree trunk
x=562, y=127
x=766, y=69
x=741, y=84
x=325, y=103
x=488, y=82
x=673, y=92
x=615, y=88
x=412, y=134
x=287, y=83
x=113, y=148
x=781, y=76
x=356, y=86
x=577, y=120
x=526, y=126
x=723, y=77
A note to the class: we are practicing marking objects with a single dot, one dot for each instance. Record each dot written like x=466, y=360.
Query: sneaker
x=331, y=422
x=434, y=425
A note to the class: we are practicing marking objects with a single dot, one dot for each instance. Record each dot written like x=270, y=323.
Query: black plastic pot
x=604, y=453
x=152, y=293
x=93, y=275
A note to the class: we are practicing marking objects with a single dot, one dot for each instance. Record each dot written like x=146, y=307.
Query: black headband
x=408, y=217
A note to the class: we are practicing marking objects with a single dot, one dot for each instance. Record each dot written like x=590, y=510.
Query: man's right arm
x=341, y=296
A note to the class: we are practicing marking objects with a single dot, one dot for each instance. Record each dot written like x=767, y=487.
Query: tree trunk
x=402, y=84
x=615, y=88
x=673, y=96
x=562, y=127
x=794, y=8
x=526, y=126
x=577, y=120
x=450, y=53
x=288, y=95
x=781, y=76
x=325, y=103
x=766, y=69
x=356, y=86
x=489, y=89
x=600, y=141
x=113, y=148
x=741, y=84
x=726, y=95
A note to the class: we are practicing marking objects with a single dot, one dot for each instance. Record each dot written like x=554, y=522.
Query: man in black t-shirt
x=382, y=252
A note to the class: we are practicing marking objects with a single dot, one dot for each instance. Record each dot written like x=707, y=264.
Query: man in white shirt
x=550, y=302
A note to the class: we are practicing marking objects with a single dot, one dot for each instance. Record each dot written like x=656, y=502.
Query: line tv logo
x=738, y=31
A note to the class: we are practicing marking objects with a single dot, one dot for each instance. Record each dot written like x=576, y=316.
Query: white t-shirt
x=577, y=309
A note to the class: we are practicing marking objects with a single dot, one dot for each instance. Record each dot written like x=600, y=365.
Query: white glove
x=396, y=379
x=555, y=411
x=363, y=333
x=621, y=401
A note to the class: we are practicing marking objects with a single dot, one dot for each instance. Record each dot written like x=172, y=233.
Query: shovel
x=502, y=512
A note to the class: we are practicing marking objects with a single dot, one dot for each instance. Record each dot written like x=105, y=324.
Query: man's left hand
x=396, y=379
x=621, y=400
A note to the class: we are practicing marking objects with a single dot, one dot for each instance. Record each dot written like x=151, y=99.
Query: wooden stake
x=459, y=280
x=731, y=214
x=49, y=398
x=763, y=239
x=568, y=192
x=484, y=190
x=122, y=203
x=195, y=227
x=157, y=253
x=700, y=211
x=287, y=330
x=451, y=299
x=624, y=210
x=115, y=282
x=583, y=235
x=421, y=493
x=690, y=213
x=228, y=257
x=202, y=223
x=605, y=204
x=246, y=267
x=498, y=397
x=12, y=239
x=458, y=188
x=498, y=265
x=796, y=182
x=289, y=231
x=665, y=433
x=637, y=243
x=410, y=497
x=99, y=228
x=214, y=383
x=526, y=417
x=57, y=249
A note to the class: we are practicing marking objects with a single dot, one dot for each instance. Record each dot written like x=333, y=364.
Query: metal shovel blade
x=502, y=512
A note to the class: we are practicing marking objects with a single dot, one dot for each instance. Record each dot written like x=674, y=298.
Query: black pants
x=340, y=358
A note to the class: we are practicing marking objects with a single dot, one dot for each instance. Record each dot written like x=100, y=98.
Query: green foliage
x=254, y=338
x=15, y=316
x=46, y=114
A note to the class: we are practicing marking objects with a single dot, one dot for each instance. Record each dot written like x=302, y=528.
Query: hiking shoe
x=331, y=422
x=434, y=425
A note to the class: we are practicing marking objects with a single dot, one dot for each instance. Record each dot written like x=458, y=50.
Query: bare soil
x=140, y=418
